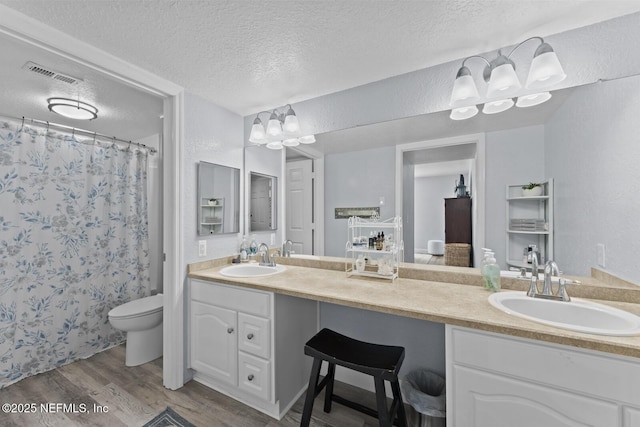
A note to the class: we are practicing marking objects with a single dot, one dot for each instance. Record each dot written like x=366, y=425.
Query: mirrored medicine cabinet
x=218, y=204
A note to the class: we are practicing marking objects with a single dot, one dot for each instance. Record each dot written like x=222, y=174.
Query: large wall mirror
x=263, y=206
x=218, y=199
x=585, y=138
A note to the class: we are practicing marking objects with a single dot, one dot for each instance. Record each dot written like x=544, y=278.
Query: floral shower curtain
x=73, y=245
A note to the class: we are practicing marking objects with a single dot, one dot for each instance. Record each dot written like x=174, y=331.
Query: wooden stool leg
x=311, y=393
x=381, y=402
x=401, y=414
x=328, y=393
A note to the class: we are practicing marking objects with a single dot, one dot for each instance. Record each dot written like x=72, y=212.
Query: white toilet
x=141, y=319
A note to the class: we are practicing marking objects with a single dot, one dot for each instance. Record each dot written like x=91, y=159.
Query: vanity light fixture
x=72, y=108
x=503, y=83
x=283, y=130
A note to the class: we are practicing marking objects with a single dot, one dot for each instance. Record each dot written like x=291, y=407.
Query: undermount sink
x=577, y=315
x=251, y=270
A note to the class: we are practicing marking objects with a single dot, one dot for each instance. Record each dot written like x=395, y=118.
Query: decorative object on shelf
x=283, y=130
x=346, y=213
x=533, y=189
x=503, y=84
x=461, y=189
x=212, y=202
x=72, y=108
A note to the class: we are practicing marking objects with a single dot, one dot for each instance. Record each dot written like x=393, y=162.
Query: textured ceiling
x=248, y=55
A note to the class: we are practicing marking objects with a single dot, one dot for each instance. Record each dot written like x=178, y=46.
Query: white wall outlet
x=601, y=254
x=273, y=239
x=202, y=248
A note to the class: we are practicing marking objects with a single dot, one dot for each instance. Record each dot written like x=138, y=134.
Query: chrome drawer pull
x=250, y=377
x=250, y=336
x=229, y=330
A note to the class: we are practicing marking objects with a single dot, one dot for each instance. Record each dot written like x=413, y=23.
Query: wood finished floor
x=135, y=395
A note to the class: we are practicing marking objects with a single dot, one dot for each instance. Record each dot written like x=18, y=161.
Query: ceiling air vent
x=47, y=72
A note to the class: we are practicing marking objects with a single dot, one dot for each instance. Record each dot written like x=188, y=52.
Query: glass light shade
x=463, y=113
x=257, y=135
x=291, y=125
x=72, y=108
x=503, y=81
x=498, y=106
x=275, y=145
x=291, y=142
x=545, y=71
x=533, y=99
x=307, y=139
x=464, y=89
x=274, y=127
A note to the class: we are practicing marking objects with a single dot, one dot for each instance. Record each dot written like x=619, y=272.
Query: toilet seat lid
x=138, y=307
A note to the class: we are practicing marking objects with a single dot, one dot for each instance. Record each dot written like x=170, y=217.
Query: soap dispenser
x=244, y=250
x=490, y=272
x=253, y=247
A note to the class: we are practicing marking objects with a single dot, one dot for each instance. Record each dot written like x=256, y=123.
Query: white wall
x=356, y=179
x=211, y=134
x=597, y=129
x=429, y=194
x=512, y=157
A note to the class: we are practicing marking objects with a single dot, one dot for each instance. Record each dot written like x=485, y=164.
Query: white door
x=299, y=191
x=261, y=208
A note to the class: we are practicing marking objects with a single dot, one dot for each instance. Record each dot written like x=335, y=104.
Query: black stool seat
x=371, y=359
x=382, y=362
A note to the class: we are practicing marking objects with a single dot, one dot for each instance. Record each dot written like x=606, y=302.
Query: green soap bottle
x=490, y=273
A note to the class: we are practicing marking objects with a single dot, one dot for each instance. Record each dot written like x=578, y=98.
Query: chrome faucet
x=550, y=270
x=287, y=252
x=265, y=258
x=533, y=287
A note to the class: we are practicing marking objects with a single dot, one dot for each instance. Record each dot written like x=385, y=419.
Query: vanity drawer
x=254, y=375
x=231, y=297
x=254, y=335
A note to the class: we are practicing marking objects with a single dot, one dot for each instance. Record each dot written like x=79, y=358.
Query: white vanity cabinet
x=496, y=380
x=249, y=344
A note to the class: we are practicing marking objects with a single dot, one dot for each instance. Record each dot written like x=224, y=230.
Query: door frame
x=479, y=193
x=21, y=27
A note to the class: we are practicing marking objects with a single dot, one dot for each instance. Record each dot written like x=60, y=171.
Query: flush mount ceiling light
x=283, y=130
x=72, y=108
x=503, y=83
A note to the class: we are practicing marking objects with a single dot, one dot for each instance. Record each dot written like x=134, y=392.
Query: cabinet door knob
x=250, y=336
x=250, y=377
x=229, y=330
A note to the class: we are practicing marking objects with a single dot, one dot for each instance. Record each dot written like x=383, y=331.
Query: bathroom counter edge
x=437, y=301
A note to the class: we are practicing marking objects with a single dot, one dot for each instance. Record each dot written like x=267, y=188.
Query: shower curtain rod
x=75, y=130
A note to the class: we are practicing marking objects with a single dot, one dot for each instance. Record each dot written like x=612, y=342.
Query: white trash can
x=435, y=247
